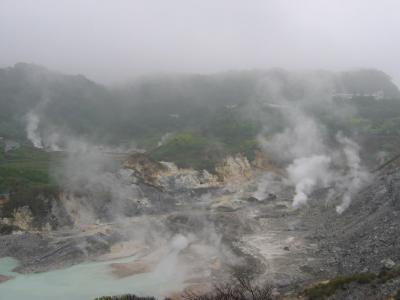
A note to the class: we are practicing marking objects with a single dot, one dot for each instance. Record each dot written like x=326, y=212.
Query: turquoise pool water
x=85, y=281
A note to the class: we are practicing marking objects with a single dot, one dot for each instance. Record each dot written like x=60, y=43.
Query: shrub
x=39, y=200
x=324, y=290
x=240, y=289
x=188, y=150
x=125, y=297
x=397, y=296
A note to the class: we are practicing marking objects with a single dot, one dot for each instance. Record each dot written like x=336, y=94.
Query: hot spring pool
x=85, y=281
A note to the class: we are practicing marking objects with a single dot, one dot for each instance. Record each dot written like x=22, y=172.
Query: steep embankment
x=361, y=246
x=230, y=221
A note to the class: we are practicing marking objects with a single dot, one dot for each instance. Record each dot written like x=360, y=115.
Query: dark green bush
x=324, y=290
x=189, y=150
x=397, y=296
x=125, y=297
x=38, y=198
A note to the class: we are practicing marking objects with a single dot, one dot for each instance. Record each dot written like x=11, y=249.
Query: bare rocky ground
x=230, y=230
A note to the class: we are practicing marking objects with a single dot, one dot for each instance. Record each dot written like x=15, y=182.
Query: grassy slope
x=25, y=174
x=193, y=150
x=26, y=165
x=325, y=290
x=227, y=134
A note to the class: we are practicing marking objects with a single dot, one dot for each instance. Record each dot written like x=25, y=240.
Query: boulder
x=388, y=263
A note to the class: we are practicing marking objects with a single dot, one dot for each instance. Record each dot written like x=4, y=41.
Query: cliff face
x=145, y=168
x=150, y=179
x=234, y=168
x=23, y=218
x=165, y=175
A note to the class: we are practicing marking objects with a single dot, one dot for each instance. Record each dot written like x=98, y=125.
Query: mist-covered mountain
x=151, y=107
x=196, y=120
x=205, y=174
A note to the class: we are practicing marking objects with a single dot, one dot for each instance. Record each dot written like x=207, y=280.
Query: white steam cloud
x=94, y=185
x=356, y=175
x=303, y=146
x=32, y=129
x=306, y=173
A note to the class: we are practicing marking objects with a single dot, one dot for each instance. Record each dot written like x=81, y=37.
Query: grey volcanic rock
x=388, y=263
x=38, y=253
x=145, y=168
x=369, y=230
x=365, y=238
x=291, y=248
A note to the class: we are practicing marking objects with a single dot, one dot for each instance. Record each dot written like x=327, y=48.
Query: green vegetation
x=151, y=107
x=26, y=166
x=226, y=135
x=24, y=175
x=208, y=116
x=387, y=275
x=237, y=134
x=377, y=117
x=187, y=150
x=325, y=289
x=125, y=297
x=38, y=198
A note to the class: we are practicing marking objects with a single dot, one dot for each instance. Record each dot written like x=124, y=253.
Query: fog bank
x=112, y=41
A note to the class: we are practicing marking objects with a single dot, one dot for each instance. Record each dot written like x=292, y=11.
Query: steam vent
x=199, y=150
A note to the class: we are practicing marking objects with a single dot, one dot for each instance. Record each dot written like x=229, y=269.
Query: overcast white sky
x=115, y=40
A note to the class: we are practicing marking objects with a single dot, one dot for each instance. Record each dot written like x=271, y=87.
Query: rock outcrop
x=145, y=168
x=22, y=218
x=167, y=175
x=234, y=168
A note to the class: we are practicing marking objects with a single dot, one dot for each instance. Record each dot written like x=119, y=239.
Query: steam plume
x=32, y=129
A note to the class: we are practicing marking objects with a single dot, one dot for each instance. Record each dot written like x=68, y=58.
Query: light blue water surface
x=85, y=281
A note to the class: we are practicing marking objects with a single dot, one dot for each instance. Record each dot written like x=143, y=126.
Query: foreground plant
x=241, y=288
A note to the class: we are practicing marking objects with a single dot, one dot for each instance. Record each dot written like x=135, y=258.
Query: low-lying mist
x=302, y=123
x=170, y=169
